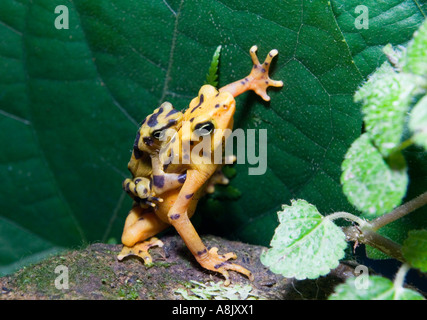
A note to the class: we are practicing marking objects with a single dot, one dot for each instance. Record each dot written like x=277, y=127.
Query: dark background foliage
x=71, y=102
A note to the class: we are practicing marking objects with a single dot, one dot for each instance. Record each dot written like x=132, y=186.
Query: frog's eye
x=204, y=129
x=158, y=134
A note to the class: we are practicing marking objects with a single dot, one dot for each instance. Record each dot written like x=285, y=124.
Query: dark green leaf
x=392, y=21
x=71, y=101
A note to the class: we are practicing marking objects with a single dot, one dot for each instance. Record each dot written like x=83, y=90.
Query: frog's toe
x=230, y=255
x=217, y=178
x=140, y=250
x=275, y=83
x=143, y=254
x=263, y=94
x=219, y=263
x=142, y=187
x=128, y=185
x=151, y=201
x=225, y=266
x=252, y=52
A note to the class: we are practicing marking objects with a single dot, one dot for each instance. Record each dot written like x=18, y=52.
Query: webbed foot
x=258, y=80
x=140, y=250
x=219, y=263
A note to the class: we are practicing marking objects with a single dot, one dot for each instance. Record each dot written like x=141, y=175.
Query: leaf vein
x=11, y=28
x=16, y=118
x=171, y=54
x=114, y=100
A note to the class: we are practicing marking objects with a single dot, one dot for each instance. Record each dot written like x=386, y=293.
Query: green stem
x=399, y=212
x=400, y=279
x=404, y=144
x=348, y=216
x=400, y=275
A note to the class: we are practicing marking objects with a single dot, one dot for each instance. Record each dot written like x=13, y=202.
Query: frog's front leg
x=140, y=190
x=258, y=80
x=167, y=181
x=140, y=225
x=178, y=217
x=162, y=181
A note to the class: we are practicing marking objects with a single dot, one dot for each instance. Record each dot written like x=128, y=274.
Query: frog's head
x=207, y=119
x=157, y=128
x=209, y=114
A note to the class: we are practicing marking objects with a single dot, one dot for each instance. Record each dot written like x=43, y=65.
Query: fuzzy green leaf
x=368, y=182
x=418, y=122
x=386, y=97
x=415, y=60
x=414, y=249
x=305, y=244
x=377, y=288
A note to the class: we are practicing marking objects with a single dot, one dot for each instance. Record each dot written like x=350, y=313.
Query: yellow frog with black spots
x=149, y=181
x=207, y=117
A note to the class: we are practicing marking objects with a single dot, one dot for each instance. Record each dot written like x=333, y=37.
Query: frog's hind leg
x=179, y=218
x=140, y=225
x=220, y=263
x=258, y=80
